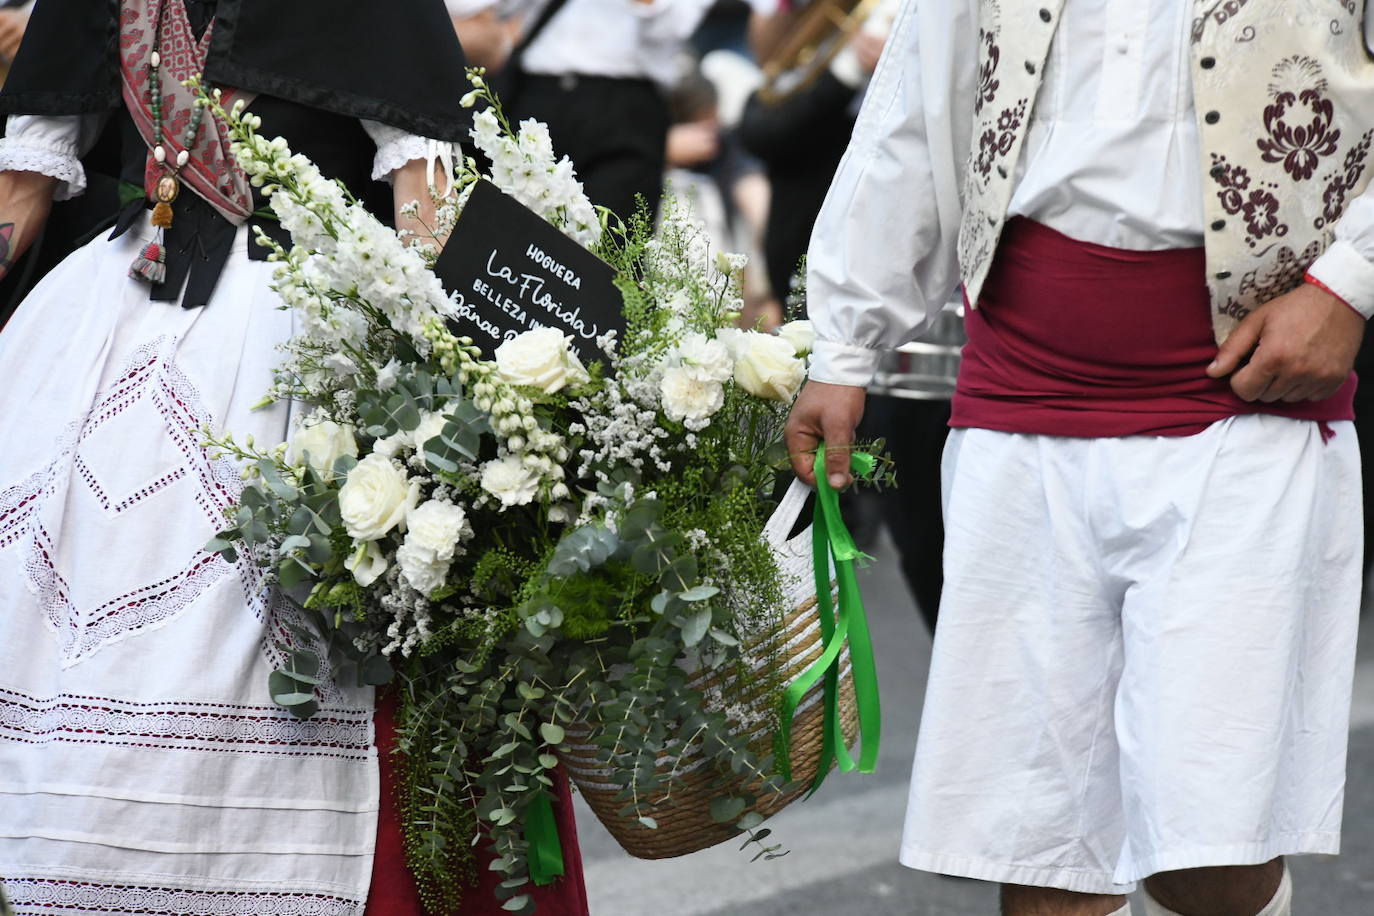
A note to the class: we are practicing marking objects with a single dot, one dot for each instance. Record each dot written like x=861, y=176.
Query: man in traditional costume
x=1158, y=208
x=143, y=767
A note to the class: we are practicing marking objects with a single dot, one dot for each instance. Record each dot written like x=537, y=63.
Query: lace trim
x=148, y=374
x=81, y=632
x=24, y=155
x=395, y=147
x=39, y=897
x=397, y=153
x=176, y=725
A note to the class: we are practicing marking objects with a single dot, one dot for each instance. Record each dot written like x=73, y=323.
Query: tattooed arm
x=25, y=199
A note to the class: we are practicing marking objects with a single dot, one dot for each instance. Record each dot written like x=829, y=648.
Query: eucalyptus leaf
x=725, y=809
x=724, y=638
x=551, y=733
x=292, y=699
x=695, y=625
x=699, y=593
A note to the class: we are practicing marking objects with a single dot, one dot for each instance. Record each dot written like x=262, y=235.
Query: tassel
x=151, y=264
x=162, y=215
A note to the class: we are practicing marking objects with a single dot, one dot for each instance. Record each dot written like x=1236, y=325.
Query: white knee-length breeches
x=1144, y=656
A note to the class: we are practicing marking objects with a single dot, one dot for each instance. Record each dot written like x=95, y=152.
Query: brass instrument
x=821, y=31
x=926, y=369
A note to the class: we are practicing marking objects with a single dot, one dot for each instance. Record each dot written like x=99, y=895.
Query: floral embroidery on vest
x=1283, y=156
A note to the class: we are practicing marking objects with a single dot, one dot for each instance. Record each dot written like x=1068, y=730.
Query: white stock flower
x=678, y=303
x=705, y=360
x=800, y=334
x=510, y=481
x=367, y=562
x=321, y=444
x=433, y=532
x=766, y=366
x=690, y=398
x=540, y=358
x=376, y=498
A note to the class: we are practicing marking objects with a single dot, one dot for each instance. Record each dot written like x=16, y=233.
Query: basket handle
x=785, y=516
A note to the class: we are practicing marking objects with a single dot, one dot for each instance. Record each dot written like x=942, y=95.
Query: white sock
x=1281, y=905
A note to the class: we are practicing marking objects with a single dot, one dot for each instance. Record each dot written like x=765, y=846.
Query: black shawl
x=394, y=62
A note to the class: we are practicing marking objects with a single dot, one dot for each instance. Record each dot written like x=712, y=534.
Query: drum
x=926, y=369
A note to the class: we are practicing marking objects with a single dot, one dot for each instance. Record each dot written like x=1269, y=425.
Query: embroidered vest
x=1284, y=92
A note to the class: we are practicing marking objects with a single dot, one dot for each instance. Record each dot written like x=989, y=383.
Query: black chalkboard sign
x=512, y=271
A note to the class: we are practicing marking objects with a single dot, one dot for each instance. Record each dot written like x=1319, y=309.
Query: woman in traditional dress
x=143, y=768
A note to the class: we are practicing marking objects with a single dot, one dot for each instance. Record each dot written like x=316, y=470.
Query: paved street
x=844, y=841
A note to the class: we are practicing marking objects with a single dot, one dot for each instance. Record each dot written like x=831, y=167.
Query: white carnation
x=540, y=358
x=510, y=481
x=392, y=445
x=432, y=424
x=705, y=360
x=437, y=528
x=689, y=398
x=376, y=498
x=320, y=444
x=434, y=531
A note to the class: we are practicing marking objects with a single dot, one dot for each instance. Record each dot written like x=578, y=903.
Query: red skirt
x=393, y=887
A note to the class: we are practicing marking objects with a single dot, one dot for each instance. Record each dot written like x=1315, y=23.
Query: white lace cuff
x=47, y=145
x=395, y=148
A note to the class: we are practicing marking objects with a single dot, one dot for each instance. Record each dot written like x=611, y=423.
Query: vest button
x=1224, y=275
x=1208, y=63
x=1219, y=225
x=1217, y=171
x=1213, y=117
x=1045, y=16
x=1001, y=171
x=1030, y=68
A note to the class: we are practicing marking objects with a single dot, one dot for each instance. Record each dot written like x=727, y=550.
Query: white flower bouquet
x=527, y=544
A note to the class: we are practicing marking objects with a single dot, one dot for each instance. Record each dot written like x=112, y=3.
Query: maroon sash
x=211, y=171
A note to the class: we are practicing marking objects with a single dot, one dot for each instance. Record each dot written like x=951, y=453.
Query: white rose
x=767, y=366
x=510, y=481
x=800, y=335
x=541, y=359
x=706, y=360
x=688, y=398
x=376, y=497
x=321, y=444
x=367, y=562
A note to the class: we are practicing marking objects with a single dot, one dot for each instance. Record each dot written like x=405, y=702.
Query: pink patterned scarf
x=211, y=172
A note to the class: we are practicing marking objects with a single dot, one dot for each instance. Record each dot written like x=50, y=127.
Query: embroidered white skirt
x=143, y=766
x=1144, y=657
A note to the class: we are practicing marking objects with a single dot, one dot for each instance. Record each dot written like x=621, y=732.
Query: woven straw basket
x=684, y=821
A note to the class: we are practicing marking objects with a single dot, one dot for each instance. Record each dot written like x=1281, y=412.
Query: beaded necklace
x=151, y=263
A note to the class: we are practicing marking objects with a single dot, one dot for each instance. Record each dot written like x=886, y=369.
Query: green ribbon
x=847, y=623
x=541, y=832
